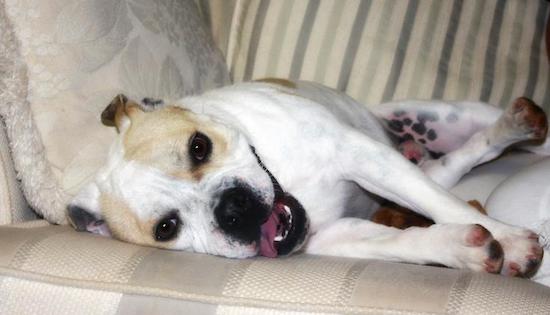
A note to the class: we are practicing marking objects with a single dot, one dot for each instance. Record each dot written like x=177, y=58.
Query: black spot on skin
x=427, y=116
x=422, y=141
x=406, y=137
x=407, y=121
x=415, y=161
x=419, y=128
x=451, y=118
x=395, y=125
x=495, y=250
x=399, y=113
x=432, y=135
x=435, y=155
x=152, y=102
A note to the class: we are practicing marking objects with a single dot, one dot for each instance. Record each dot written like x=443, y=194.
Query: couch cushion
x=63, y=61
x=480, y=182
x=70, y=272
x=384, y=50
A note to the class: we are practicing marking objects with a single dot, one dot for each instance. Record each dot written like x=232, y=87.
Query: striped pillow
x=385, y=50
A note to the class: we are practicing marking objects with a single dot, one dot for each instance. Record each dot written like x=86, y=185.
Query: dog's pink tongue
x=269, y=231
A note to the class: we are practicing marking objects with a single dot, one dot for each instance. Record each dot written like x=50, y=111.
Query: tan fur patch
x=278, y=81
x=123, y=223
x=127, y=226
x=160, y=139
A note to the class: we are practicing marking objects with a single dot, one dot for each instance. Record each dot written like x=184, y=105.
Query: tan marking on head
x=127, y=226
x=123, y=223
x=278, y=81
x=160, y=139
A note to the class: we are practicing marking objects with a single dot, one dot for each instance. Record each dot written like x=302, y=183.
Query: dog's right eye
x=200, y=148
x=167, y=228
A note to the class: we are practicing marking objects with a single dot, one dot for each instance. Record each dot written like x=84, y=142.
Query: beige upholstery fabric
x=79, y=273
x=13, y=207
x=385, y=50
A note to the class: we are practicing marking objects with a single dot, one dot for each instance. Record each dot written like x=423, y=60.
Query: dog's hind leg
x=442, y=127
x=439, y=126
x=466, y=246
x=521, y=121
x=383, y=171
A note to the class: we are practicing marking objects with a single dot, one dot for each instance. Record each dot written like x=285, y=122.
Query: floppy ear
x=120, y=109
x=84, y=212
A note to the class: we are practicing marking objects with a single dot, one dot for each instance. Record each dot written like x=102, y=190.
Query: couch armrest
x=55, y=270
x=13, y=206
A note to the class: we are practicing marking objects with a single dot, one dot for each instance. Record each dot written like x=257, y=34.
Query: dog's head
x=180, y=180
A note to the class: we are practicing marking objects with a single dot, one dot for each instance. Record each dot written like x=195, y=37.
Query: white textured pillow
x=74, y=56
x=524, y=200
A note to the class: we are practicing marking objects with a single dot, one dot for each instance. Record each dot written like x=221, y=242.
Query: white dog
x=273, y=167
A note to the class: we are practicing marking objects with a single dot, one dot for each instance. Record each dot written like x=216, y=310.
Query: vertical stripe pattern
x=538, y=37
x=491, y=50
x=446, y=51
x=353, y=44
x=303, y=39
x=399, y=56
x=490, y=53
x=259, y=18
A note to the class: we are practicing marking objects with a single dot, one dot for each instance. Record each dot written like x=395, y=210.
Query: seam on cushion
x=201, y=298
x=9, y=215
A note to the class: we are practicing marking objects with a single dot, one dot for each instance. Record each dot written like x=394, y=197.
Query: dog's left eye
x=200, y=148
x=167, y=228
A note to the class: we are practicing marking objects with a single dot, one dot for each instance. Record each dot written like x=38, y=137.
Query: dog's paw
x=524, y=120
x=482, y=251
x=522, y=252
x=471, y=246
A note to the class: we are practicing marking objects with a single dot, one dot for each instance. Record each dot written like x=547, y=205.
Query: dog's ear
x=84, y=212
x=118, y=111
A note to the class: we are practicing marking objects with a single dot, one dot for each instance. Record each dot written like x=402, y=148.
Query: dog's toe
x=486, y=254
x=523, y=253
x=493, y=263
x=528, y=119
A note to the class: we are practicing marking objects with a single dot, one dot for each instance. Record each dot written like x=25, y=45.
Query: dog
x=274, y=167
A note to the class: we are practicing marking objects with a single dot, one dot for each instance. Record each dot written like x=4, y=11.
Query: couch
x=373, y=50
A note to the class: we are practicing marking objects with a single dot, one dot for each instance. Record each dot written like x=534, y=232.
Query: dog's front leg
x=382, y=170
x=465, y=246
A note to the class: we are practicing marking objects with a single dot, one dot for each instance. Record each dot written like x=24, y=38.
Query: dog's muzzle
x=240, y=213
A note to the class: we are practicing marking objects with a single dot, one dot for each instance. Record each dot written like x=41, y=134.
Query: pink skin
x=413, y=151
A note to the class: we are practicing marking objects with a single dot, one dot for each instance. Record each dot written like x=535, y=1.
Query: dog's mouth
x=287, y=225
x=285, y=229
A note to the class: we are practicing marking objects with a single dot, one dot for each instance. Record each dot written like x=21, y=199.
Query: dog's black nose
x=240, y=213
